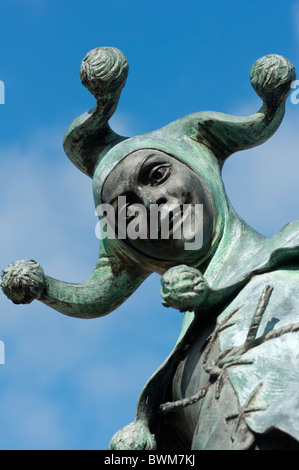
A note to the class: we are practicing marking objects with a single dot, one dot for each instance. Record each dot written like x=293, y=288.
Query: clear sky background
x=68, y=383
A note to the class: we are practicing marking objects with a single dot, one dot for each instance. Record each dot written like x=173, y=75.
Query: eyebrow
x=148, y=157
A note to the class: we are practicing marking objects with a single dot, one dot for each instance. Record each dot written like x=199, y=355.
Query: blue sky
x=67, y=383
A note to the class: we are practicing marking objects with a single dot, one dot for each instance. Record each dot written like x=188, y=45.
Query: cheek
x=200, y=195
x=196, y=192
x=208, y=222
x=180, y=186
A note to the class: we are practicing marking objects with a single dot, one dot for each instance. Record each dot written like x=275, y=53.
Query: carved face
x=163, y=206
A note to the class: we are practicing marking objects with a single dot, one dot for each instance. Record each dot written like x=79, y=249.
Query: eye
x=159, y=174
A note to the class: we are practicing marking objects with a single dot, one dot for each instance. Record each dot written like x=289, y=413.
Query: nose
x=161, y=200
x=149, y=199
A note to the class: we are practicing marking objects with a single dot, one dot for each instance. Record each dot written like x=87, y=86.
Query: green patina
x=235, y=268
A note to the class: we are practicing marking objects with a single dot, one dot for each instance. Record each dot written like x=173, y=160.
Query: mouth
x=163, y=222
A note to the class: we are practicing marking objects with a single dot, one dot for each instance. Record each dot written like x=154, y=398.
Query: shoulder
x=283, y=304
x=270, y=367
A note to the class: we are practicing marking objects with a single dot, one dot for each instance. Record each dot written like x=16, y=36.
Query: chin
x=174, y=253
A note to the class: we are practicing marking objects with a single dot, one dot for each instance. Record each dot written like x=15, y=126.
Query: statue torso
x=246, y=363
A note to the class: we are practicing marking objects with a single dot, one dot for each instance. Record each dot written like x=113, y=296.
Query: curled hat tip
x=271, y=77
x=104, y=70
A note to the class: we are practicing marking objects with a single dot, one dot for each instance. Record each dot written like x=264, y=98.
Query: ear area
x=271, y=77
x=104, y=72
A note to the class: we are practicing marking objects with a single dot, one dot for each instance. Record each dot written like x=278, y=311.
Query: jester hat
x=202, y=140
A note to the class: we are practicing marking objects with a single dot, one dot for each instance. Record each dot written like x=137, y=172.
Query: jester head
x=176, y=166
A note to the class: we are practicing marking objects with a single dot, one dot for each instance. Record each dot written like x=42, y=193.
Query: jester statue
x=231, y=381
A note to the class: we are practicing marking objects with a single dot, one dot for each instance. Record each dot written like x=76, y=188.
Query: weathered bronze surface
x=230, y=382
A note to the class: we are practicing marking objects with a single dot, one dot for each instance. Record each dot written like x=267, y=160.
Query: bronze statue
x=231, y=380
